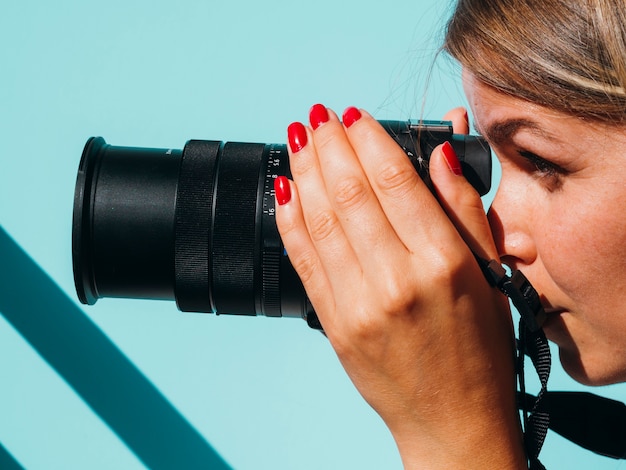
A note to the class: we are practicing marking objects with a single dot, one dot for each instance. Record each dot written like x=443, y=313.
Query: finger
x=408, y=204
x=299, y=246
x=320, y=220
x=460, y=120
x=461, y=202
x=363, y=221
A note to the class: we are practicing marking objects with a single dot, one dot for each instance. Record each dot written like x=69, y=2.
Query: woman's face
x=558, y=216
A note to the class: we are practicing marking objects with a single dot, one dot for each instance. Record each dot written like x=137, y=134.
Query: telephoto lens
x=198, y=225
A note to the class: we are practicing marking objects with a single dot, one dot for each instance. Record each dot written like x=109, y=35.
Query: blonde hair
x=568, y=55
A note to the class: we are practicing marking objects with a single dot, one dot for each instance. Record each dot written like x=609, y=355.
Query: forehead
x=499, y=117
x=489, y=105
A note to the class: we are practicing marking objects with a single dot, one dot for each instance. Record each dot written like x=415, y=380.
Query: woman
x=390, y=268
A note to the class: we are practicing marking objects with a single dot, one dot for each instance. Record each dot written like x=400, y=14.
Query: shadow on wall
x=95, y=368
x=7, y=462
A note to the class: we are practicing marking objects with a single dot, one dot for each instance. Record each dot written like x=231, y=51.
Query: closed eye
x=544, y=169
x=540, y=165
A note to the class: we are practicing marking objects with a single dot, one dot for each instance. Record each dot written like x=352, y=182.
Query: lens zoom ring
x=234, y=230
x=194, y=202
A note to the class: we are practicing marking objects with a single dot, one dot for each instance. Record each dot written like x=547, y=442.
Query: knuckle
x=465, y=197
x=323, y=225
x=302, y=165
x=446, y=268
x=369, y=329
x=305, y=264
x=289, y=227
x=351, y=193
x=396, y=178
x=329, y=135
x=400, y=300
x=364, y=331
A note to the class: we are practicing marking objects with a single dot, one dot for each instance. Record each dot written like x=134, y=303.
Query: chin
x=590, y=372
x=589, y=365
x=586, y=359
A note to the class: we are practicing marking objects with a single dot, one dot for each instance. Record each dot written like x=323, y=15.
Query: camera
x=198, y=225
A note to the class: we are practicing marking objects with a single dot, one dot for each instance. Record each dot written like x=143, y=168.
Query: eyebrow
x=501, y=131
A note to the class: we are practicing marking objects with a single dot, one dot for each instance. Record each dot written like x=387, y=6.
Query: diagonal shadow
x=95, y=368
x=7, y=461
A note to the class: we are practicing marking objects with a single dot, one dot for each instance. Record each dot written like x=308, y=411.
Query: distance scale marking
x=272, y=249
x=276, y=166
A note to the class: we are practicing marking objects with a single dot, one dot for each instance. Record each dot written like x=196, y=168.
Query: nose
x=511, y=219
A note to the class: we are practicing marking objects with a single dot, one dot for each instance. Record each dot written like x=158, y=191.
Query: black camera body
x=198, y=226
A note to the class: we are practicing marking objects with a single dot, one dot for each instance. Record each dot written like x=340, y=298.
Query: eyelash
x=541, y=166
x=546, y=171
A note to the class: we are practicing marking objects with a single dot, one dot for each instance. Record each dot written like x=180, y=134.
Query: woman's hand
x=389, y=271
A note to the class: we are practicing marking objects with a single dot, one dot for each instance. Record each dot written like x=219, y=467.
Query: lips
x=553, y=311
x=553, y=325
x=553, y=315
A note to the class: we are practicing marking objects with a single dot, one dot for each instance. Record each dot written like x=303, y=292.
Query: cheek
x=589, y=276
x=567, y=252
x=582, y=247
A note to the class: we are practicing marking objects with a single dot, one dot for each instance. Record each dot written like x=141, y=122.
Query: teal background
x=125, y=384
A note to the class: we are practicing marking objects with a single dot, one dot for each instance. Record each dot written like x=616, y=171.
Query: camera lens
x=198, y=225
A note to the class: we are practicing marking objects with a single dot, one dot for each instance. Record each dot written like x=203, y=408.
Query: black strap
x=532, y=342
x=595, y=423
x=537, y=420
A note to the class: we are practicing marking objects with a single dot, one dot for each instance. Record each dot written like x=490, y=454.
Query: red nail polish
x=296, y=135
x=282, y=190
x=451, y=159
x=318, y=115
x=350, y=116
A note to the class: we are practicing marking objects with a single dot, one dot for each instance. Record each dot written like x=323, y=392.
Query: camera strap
x=595, y=423
x=532, y=342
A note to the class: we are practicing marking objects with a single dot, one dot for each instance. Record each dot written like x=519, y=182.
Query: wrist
x=472, y=439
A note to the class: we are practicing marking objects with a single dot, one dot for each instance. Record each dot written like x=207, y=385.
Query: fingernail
x=350, y=116
x=318, y=115
x=296, y=135
x=451, y=159
x=282, y=190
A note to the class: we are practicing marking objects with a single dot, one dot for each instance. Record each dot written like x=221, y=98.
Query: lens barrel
x=198, y=225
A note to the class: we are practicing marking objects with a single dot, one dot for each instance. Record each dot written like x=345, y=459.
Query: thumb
x=460, y=122
x=461, y=202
